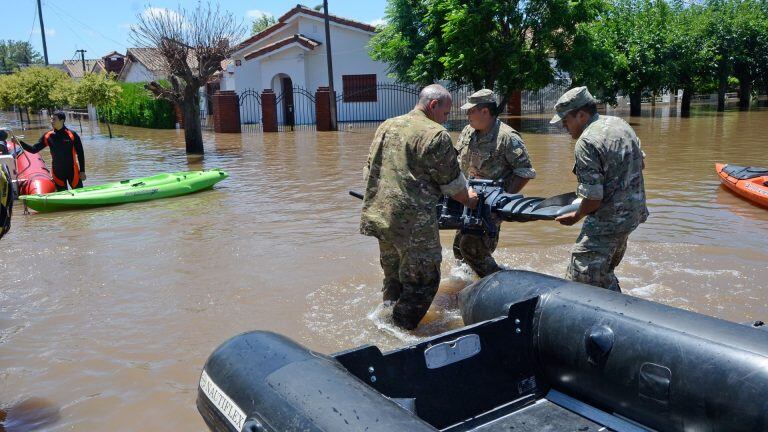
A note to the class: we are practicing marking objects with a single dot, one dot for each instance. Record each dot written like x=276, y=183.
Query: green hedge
x=137, y=107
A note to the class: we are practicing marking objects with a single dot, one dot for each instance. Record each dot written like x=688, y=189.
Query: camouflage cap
x=479, y=97
x=572, y=99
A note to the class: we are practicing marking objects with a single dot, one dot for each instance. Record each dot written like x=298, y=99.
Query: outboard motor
x=663, y=367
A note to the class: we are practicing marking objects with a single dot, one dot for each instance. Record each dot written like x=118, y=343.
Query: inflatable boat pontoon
x=538, y=354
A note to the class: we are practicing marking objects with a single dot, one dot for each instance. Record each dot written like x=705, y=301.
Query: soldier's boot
x=457, y=246
x=413, y=305
x=477, y=253
x=390, y=263
x=420, y=277
x=391, y=290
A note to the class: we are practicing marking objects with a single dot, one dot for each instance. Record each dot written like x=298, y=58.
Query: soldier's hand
x=568, y=218
x=472, y=199
x=82, y=175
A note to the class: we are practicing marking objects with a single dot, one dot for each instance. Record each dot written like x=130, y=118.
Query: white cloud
x=378, y=22
x=154, y=12
x=255, y=13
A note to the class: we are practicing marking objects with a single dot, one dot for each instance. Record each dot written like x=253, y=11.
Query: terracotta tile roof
x=260, y=35
x=75, y=67
x=339, y=20
x=99, y=66
x=305, y=10
x=153, y=61
x=113, y=53
x=297, y=38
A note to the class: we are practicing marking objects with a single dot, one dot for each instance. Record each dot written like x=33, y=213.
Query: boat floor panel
x=543, y=416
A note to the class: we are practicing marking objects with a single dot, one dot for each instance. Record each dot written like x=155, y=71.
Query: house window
x=359, y=88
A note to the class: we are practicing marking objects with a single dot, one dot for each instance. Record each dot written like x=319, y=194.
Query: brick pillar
x=323, y=108
x=515, y=103
x=226, y=112
x=179, y=114
x=268, y=111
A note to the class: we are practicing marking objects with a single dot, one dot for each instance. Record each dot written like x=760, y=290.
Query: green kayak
x=142, y=189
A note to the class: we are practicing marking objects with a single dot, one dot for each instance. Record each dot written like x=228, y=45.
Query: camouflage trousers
x=477, y=252
x=594, y=257
x=411, y=279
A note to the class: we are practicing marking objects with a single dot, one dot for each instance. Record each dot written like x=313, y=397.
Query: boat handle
x=453, y=351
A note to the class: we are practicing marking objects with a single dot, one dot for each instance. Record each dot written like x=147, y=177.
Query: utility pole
x=82, y=58
x=334, y=126
x=42, y=31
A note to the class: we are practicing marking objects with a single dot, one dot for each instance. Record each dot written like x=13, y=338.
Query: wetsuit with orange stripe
x=67, y=157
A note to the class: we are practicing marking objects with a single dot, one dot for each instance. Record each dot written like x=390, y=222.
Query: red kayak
x=749, y=182
x=34, y=177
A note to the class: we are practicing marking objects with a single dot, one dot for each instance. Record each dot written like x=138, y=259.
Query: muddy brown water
x=110, y=313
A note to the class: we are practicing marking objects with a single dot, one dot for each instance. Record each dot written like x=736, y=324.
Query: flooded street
x=109, y=313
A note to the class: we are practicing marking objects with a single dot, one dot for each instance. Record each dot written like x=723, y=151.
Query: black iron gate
x=250, y=111
x=295, y=109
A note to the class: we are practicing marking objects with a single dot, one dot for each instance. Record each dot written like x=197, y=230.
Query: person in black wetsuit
x=67, y=157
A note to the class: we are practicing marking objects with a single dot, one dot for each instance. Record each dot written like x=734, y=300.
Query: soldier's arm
x=378, y=138
x=589, y=173
x=442, y=165
x=517, y=157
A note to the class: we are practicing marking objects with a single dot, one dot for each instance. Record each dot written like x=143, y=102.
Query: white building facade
x=290, y=58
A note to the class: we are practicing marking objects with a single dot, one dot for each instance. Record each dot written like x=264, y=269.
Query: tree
x=503, y=45
x=631, y=53
x=736, y=32
x=39, y=87
x=8, y=88
x=691, y=57
x=193, y=44
x=750, y=55
x=98, y=89
x=262, y=22
x=14, y=54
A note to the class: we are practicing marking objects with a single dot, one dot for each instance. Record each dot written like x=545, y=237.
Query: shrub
x=135, y=106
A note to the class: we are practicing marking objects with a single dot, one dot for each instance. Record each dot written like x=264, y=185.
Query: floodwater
x=108, y=314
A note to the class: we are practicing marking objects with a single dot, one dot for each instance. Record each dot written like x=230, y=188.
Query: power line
x=34, y=21
x=58, y=8
x=71, y=30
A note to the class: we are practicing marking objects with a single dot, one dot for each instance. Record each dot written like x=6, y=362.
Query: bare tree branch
x=191, y=45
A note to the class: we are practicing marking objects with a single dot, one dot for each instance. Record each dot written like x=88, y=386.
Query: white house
x=292, y=54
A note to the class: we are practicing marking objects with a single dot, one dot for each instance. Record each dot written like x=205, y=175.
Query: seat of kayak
x=745, y=173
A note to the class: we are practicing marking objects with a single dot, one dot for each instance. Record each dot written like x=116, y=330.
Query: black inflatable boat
x=538, y=354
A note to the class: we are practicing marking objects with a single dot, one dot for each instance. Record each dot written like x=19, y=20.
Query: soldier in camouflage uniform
x=488, y=149
x=411, y=165
x=609, y=168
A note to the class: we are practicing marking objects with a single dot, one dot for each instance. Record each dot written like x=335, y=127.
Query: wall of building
x=137, y=72
x=308, y=69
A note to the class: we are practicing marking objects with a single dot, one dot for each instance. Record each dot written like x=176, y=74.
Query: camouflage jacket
x=498, y=155
x=411, y=164
x=609, y=167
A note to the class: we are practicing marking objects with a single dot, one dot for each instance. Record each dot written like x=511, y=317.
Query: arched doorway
x=282, y=85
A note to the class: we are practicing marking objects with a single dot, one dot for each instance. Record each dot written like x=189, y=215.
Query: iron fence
x=543, y=100
x=364, y=107
x=367, y=106
x=295, y=109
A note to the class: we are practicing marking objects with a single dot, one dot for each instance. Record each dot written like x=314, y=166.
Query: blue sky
x=102, y=26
